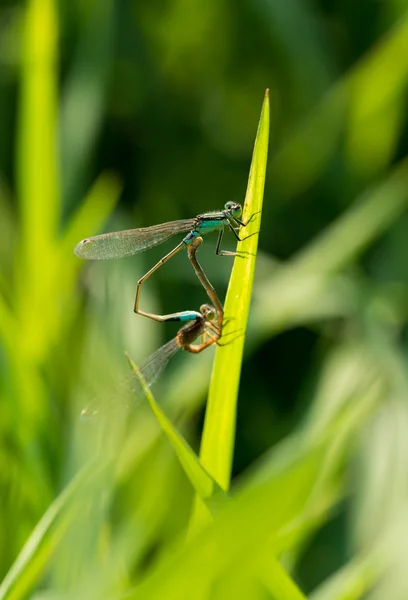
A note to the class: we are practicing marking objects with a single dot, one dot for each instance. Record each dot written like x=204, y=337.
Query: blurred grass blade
x=352, y=582
x=239, y=531
x=371, y=118
x=37, y=174
x=375, y=119
x=376, y=209
x=203, y=483
x=8, y=326
x=219, y=428
x=278, y=583
x=244, y=583
x=32, y=561
x=295, y=288
x=84, y=94
x=8, y=238
x=366, y=569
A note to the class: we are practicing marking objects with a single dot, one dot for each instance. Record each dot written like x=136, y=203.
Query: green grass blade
x=204, y=485
x=248, y=532
x=275, y=579
x=8, y=324
x=219, y=428
x=239, y=531
x=37, y=173
x=30, y=564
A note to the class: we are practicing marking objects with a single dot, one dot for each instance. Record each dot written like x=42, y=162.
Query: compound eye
x=211, y=314
x=229, y=205
x=208, y=312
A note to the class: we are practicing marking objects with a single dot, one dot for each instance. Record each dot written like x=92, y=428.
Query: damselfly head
x=208, y=312
x=234, y=209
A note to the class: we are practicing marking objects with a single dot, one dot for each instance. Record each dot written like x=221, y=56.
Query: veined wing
x=155, y=364
x=119, y=244
x=113, y=401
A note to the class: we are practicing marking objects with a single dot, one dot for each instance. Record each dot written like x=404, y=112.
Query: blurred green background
x=116, y=115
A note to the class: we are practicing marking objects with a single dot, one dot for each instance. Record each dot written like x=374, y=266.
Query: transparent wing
x=119, y=244
x=154, y=366
x=120, y=398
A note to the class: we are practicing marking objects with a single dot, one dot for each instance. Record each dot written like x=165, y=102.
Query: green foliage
x=119, y=115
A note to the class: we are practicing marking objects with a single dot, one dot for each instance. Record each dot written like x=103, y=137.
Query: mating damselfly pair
x=207, y=323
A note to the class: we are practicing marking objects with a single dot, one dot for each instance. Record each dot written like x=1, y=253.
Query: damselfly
x=119, y=244
x=201, y=324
